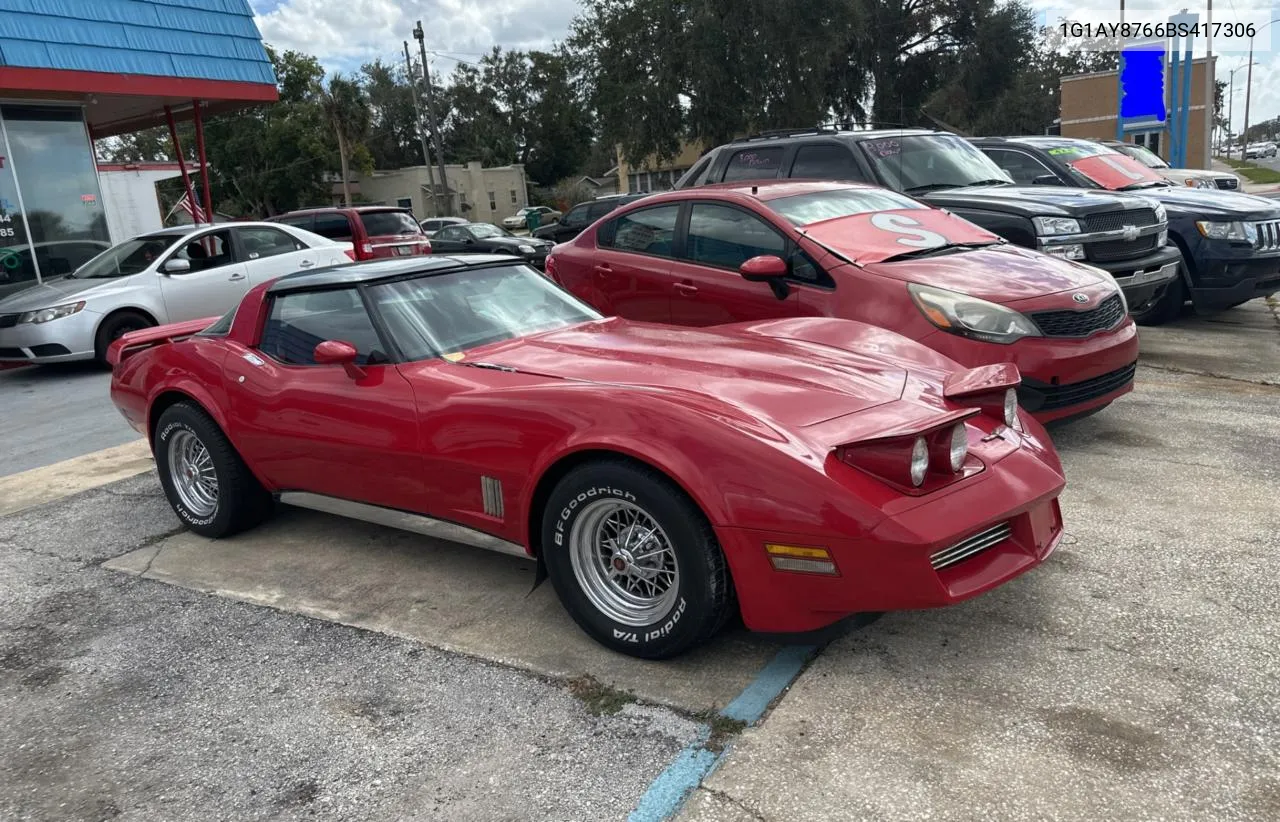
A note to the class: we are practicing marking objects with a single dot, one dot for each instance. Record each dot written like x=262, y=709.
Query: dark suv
x=583, y=215
x=1121, y=233
x=1230, y=241
x=375, y=231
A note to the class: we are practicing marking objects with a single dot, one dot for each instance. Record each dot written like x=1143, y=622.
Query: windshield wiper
x=1144, y=184
x=930, y=187
x=939, y=251
x=992, y=182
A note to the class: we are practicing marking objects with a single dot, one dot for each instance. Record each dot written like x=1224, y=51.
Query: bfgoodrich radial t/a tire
x=634, y=561
x=209, y=487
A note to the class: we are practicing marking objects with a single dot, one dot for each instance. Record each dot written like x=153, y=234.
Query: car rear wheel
x=634, y=561
x=114, y=327
x=209, y=487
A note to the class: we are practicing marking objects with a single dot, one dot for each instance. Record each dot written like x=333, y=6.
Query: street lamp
x=1231, y=101
x=1248, y=87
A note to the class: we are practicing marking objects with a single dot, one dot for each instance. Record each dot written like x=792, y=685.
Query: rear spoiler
x=136, y=341
x=981, y=380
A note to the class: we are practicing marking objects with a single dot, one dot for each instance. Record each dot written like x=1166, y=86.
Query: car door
x=452, y=240
x=706, y=288
x=270, y=253
x=216, y=280
x=315, y=428
x=631, y=269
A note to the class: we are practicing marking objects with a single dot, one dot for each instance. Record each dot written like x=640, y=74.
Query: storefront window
x=16, y=269
x=50, y=154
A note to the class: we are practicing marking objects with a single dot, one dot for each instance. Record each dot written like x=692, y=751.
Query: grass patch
x=1252, y=172
x=599, y=699
x=722, y=728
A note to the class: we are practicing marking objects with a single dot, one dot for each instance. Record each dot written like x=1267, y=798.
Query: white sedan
x=546, y=216
x=167, y=276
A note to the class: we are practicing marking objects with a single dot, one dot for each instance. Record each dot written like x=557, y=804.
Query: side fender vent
x=491, y=490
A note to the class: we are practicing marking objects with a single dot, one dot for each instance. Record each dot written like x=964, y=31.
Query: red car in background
x=375, y=231
x=747, y=252
x=797, y=471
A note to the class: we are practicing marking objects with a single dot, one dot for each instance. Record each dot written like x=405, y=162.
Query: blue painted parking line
x=667, y=793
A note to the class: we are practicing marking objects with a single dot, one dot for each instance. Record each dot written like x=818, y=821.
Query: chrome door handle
x=236, y=277
x=306, y=264
x=686, y=289
x=603, y=271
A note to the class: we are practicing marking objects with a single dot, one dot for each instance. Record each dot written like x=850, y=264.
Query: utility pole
x=420, y=36
x=1248, y=85
x=417, y=108
x=1210, y=79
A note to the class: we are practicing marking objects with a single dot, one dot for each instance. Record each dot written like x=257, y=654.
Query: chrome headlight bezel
x=1227, y=230
x=1053, y=226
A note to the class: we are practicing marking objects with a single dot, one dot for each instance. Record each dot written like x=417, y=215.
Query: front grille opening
x=1116, y=220
x=1080, y=323
x=1036, y=396
x=971, y=547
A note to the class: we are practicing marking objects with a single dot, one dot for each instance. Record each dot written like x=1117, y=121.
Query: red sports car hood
x=1001, y=274
x=790, y=382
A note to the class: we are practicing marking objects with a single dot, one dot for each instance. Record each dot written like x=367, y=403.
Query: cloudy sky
x=346, y=33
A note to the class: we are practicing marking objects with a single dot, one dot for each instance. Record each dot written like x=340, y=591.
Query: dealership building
x=73, y=71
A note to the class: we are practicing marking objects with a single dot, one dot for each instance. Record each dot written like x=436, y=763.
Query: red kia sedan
x=746, y=252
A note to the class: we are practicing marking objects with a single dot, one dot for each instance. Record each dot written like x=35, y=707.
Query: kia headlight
x=971, y=317
x=45, y=315
x=1048, y=226
x=1226, y=231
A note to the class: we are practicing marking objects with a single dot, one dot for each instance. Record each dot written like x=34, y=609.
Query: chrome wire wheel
x=624, y=562
x=192, y=473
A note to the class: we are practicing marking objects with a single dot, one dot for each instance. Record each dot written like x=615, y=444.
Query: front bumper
x=1222, y=282
x=1143, y=280
x=894, y=567
x=61, y=340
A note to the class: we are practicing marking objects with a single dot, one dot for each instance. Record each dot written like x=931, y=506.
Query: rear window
x=334, y=226
x=378, y=223
x=805, y=209
x=754, y=164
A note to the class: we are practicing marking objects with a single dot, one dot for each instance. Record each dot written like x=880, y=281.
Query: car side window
x=754, y=164
x=647, y=231
x=1022, y=167
x=727, y=237
x=577, y=216
x=300, y=321
x=826, y=161
x=207, y=251
x=304, y=221
x=597, y=210
x=260, y=242
x=333, y=226
x=453, y=232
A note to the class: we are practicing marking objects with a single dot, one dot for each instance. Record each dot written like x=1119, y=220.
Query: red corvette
x=800, y=470
x=741, y=251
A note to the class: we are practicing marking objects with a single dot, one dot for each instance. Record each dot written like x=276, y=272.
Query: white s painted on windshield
x=913, y=234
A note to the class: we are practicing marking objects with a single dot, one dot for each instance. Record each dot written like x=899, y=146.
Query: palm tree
x=347, y=109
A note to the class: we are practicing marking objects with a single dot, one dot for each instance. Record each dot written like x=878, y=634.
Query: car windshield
x=806, y=209
x=921, y=162
x=379, y=223
x=1145, y=156
x=484, y=231
x=447, y=314
x=1097, y=166
x=130, y=257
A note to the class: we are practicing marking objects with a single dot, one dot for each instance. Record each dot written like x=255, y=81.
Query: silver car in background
x=167, y=276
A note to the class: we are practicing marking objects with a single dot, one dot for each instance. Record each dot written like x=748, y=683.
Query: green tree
x=393, y=140
x=557, y=139
x=347, y=112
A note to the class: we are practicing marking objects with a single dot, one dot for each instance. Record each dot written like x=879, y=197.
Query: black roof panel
x=375, y=270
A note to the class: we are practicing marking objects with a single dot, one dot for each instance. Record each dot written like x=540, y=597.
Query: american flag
x=193, y=209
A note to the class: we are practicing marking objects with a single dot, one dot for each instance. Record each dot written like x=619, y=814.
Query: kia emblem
x=1080, y=298
x=1130, y=233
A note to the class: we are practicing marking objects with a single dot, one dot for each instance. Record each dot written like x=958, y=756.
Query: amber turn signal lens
x=800, y=558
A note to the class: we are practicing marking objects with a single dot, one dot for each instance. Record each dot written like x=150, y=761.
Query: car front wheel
x=634, y=561
x=207, y=484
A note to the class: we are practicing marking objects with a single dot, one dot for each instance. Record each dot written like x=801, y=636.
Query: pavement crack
x=737, y=803
x=1173, y=369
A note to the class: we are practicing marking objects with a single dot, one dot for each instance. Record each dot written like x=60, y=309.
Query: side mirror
x=1046, y=180
x=339, y=352
x=763, y=269
x=469, y=241
x=176, y=266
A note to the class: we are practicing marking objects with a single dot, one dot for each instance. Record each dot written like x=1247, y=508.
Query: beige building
x=653, y=174
x=482, y=195
x=1089, y=105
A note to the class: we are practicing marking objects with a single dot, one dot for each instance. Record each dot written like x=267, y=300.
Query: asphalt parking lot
x=325, y=669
